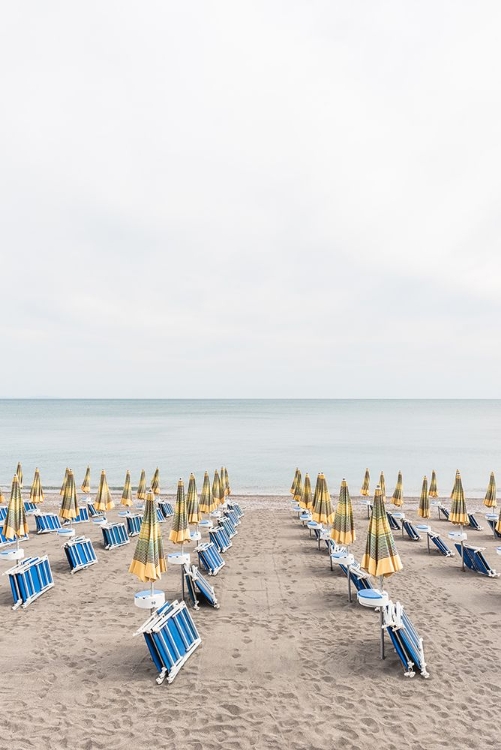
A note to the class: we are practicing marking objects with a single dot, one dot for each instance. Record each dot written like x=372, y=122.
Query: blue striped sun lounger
x=220, y=538
x=442, y=511
x=359, y=578
x=4, y=542
x=473, y=523
x=166, y=509
x=47, y=522
x=232, y=515
x=394, y=524
x=114, y=535
x=83, y=515
x=3, y=513
x=405, y=639
x=440, y=544
x=474, y=559
x=198, y=588
x=411, y=531
x=29, y=507
x=29, y=579
x=228, y=526
x=209, y=558
x=160, y=516
x=493, y=525
x=133, y=521
x=80, y=553
x=236, y=507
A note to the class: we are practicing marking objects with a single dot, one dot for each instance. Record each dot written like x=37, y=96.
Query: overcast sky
x=250, y=199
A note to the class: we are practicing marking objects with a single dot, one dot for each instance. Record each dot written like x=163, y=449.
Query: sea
x=261, y=442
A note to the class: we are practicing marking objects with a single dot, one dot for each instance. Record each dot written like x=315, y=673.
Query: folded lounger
x=232, y=505
x=4, y=542
x=232, y=515
x=359, y=578
x=467, y=555
x=228, y=526
x=442, y=511
x=160, y=516
x=166, y=509
x=171, y=637
x=83, y=515
x=394, y=524
x=220, y=538
x=493, y=525
x=198, y=587
x=410, y=531
x=47, y=522
x=29, y=507
x=80, y=553
x=3, y=513
x=133, y=521
x=440, y=544
x=405, y=640
x=474, y=559
x=29, y=579
x=474, y=523
x=114, y=535
x=209, y=558
x=93, y=513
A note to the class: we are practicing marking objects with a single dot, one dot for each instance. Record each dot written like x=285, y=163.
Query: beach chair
x=83, y=515
x=475, y=560
x=236, y=507
x=359, y=578
x=394, y=524
x=405, y=639
x=160, y=516
x=442, y=511
x=473, y=523
x=114, y=535
x=29, y=579
x=228, y=526
x=492, y=523
x=93, y=513
x=29, y=507
x=47, y=522
x=209, y=558
x=232, y=515
x=440, y=544
x=220, y=538
x=4, y=542
x=133, y=521
x=171, y=637
x=466, y=555
x=79, y=553
x=166, y=509
x=3, y=513
x=410, y=531
x=198, y=587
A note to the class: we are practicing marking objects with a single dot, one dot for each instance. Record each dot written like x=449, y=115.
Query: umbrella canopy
x=433, y=485
x=36, y=492
x=293, y=485
x=343, y=528
x=155, y=482
x=382, y=485
x=217, y=490
x=227, y=485
x=397, y=497
x=15, y=525
x=103, y=498
x=458, y=514
x=63, y=486
x=424, y=501
x=86, y=482
x=222, y=479
x=322, y=505
x=498, y=525
x=69, y=504
x=127, y=491
x=207, y=504
x=19, y=472
x=148, y=562
x=490, y=496
x=365, y=486
x=180, y=533
x=2, y=499
x=298, y=489
x=306, y=500
x=141, y=488
x=192, y=504
x=381, y=557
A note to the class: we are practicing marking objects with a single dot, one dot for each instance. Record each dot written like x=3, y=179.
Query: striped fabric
x=2, y=499
x=155, y=482
x=141, y=488
x=63, y=486
x=365, y=486
x=397, y=497
x=424, y=501
x=15, y=524
x=306, y=501
x=180, y=533
x=86, y=482
x=69, y=504
x=192, y=504
x=148, y=562
x=298, y=489
x=433, y=485
x=381, y=557
x=227, y=485
x=222, y=479
x=458, y=514
x=103, y=497
x=490, y=496
x=293, y=485
x=207, y=504
x=217, y=490
x=343, y=528
x=36, y=491
x=498, y=525
x=126, y=498
x=322, y=505
x=19, y=472
x=382, y=486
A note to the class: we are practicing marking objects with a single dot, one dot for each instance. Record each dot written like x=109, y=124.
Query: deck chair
x=394, y=524
x=93, y=513
x=411, y=531
x=479, y=563
x=166, y=509
x=467, y=555
x=474, y=523
x=83, y=515
x=493, y=525
x=29, y=507
x=228, y=526
x=79, y=553
x=47, y=522
x=3, y=513
x=440, y=544
x=171, y=637
x=29, y=579
x=114, y=535
x=220, y=538
x=133, y=521
x=160, y=516
x=232, y=505
x=232, y=515
x=359, y=578
x=442, y=511
x=4, y=542
x=405, y=639
x=198, y=588
x=209, y=558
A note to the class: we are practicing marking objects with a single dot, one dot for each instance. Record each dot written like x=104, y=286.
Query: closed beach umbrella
x=155, y=482
x=365, y=486
x=293, y=485
x=382, y=485
x=69, y=504
x=227, y=485
x=2, y=499
x=141, y=489
x=490, y=496
x=103, y=497
x=222, y=479
x=306, y=501
x=298, y=489
x=207, y=504
x=19, y=472
x=180, y=533
x=397, y=497
x=63, y=486
x=86, y=482
x=148, y=562
x=458, y=514
x=36, y=491
x=381, y=558
x=498, y=525
x=15, y=525
x=217, y=490
x=322, y=505
x=192, y=504
x=433, y=485
x=343, y=527
x=127, y=491
x=424, y=501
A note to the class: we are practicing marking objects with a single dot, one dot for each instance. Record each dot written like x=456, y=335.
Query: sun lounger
x=93, y=513
x=209, y=558
x=394, y=524
x=493, y=525
x=29, y=507
x=466, y=555
x=236, y=507
x=405, y=639
x=133, y=521
x=4, y=542
x=228, y=526
x=80, y=553
x=232, y=515
x=473, y=523
x=442, y=511
x=359, y=578
x=3, y=513
x=475, y=560
x=166, y=509
x=114, y=535
x=171, y=637
x=220, y=538
x=29, y=579
x=440, y=544
x=83, y=515
x=198, y=587
x=47, y=522
x=160, y=516
x=410, y=531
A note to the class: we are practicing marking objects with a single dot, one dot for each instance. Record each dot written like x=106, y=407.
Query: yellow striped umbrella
x=424, y=501
x=458, y=514
x=103, y=497
x=382, y=486
x=298, y=489
x=180, y=533
x=192, y=504
x=148, y=562
x=397, y=497
x=217, y=490
x=293, y=485
x=63, y=486
x=365, y=486
x=381, y=558
x=433, y=485
x=207, y=503
x=306, y=501
x=69, y=504
x=19, y=472
x=322, y=505
x=86, y=482
x=490, y=496
x=498, y=525
x=127, y=491
x=227, y=485
x=2, y=499
x=155, y=482
x=15, y=525
x=36, y=491
x=141, y=489
x=222, y=479
x=343, y=528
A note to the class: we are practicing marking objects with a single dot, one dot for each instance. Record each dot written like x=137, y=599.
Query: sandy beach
x=286, y=662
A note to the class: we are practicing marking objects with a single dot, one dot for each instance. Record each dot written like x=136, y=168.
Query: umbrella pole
x=381, y=579
x=462, y=548
x=182, y=575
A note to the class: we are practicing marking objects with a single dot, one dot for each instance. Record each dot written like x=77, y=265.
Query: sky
x=260, y=199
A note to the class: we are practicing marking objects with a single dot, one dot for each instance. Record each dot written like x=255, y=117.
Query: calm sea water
x=260, y=441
